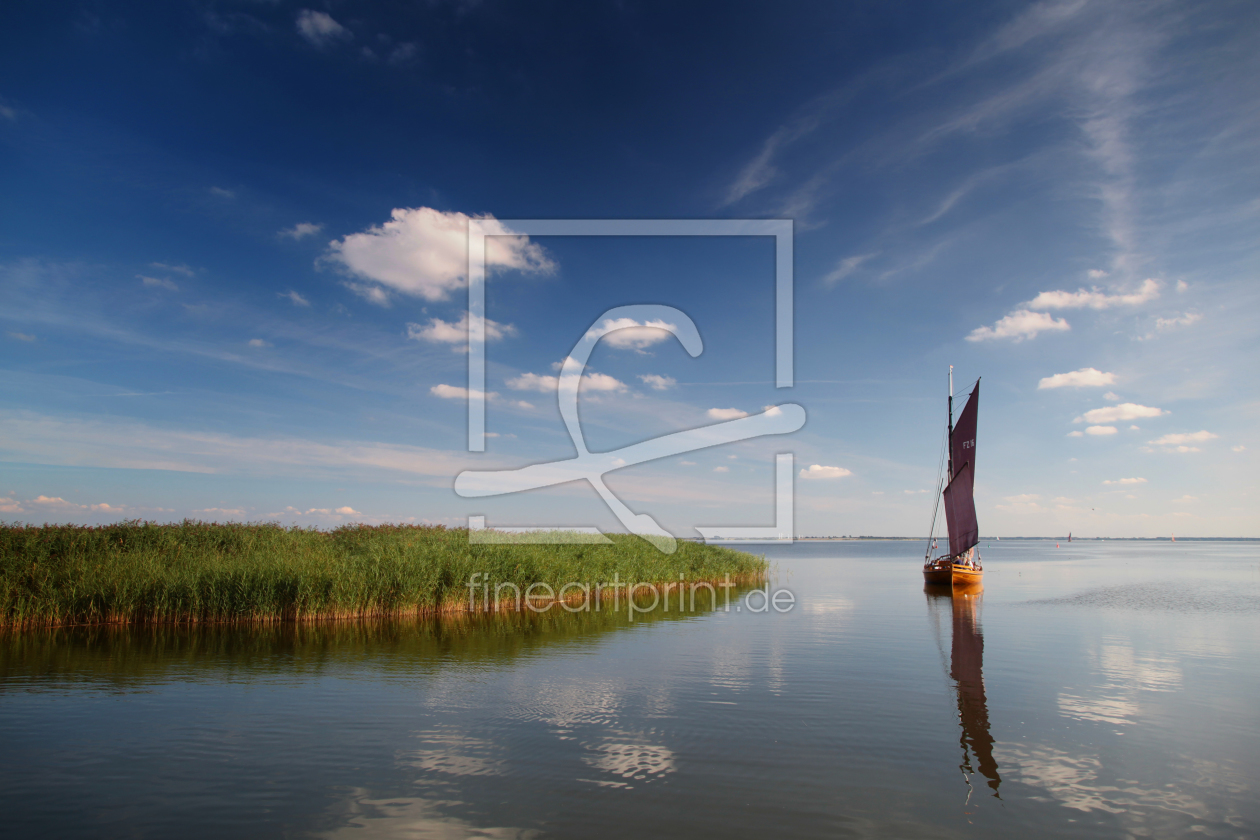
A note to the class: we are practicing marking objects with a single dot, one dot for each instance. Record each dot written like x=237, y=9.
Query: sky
x=233, y=243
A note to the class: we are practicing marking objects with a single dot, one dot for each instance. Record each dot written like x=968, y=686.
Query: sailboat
x=961, y=566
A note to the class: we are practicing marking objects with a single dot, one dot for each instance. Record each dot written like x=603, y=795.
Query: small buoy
x=1056, y=545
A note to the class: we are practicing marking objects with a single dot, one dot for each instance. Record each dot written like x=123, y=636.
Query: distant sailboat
x=1069, y=536
x=962, y=565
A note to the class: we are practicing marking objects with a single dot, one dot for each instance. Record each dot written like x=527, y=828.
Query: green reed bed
x=142, y=572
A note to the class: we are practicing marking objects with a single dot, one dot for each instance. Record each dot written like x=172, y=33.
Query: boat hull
x=947, y=573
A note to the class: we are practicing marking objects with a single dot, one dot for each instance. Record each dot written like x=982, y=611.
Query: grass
x=192, y=572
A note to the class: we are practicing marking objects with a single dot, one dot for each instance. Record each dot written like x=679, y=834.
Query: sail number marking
x=969, y=444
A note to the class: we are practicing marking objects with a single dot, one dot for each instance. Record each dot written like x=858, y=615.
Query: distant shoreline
x=1014, y=539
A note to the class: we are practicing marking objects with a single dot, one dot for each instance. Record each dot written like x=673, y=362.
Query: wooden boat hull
x=946, y=573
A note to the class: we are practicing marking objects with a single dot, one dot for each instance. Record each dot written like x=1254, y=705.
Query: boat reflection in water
x=966, y=669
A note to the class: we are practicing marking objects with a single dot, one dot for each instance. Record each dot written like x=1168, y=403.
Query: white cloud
x=219, y=192
x=548, y=384
x=845, y=267
x=301, y=230
x=1096, y=274
x=20, y=336
x=1100, y=430
x=1185, y=500
x=772, y=410
x=1112, y=396
x=1019, y=325
x=224, y=511
x=726, y=413
x=1187, y=437
x=1123, y=481
x=1182, y=285
x=372, y=294
x=721, y=469
x=348, y=511
x=817, y=471
x=454, y=392
x=1135, y=428
x=456, y=332
x=424, y=252
x=319, y=28
x=258, y=342
x=1182, y=321
x=1124, y=411
x=629, y=334
x=1084, y=378
x=688, y=463
x=158, y=282
x=657, y=382
x=1094, y=298
x=1077, y=433
x=913, y=492
x=1239, y=448
x=297, y=299
x=179, y=269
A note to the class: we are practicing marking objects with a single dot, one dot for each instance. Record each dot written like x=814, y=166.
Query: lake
x=1094, y=689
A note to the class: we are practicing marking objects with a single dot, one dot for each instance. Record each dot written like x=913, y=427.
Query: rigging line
x=936, y=505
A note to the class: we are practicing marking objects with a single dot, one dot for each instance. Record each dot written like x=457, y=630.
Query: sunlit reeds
x=138, y=572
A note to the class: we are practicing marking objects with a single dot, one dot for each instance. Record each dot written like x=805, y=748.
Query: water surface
x=1093, y=690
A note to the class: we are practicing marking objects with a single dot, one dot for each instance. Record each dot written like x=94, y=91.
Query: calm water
x=1099, y=689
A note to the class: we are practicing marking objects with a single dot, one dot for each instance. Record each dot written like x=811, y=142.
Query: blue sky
x=231, y=239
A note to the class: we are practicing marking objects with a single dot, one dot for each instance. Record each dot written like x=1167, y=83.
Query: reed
x=194, y=572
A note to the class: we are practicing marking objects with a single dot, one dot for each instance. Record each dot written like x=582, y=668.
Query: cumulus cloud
x=1185, y=500
x=1112, y=396
x=424, y=252
x=1077, y=433
x=1094, y=298
x=20, y=336
x=657, y=382
x=1100, y=430
x=258, y=342
x=219, y=192
x=1084, y=378
x=548, y=384
x=1184, y=438
x=1114, y=413
x=1239, y=448
x=726, y=413
x=454, y=392
x=301, y=230
x=629, y=334
x=1019, y=325
x=1125, y=481
x=347, y=511
x=319, y=28
x=817, y=471
x=158, y=283
x=295, y=298
x=456, y=332
x=721, y=469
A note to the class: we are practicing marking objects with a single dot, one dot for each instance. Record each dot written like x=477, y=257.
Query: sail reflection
x=967, y=671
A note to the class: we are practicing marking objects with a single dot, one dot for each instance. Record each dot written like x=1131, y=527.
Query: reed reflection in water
x=966, y=669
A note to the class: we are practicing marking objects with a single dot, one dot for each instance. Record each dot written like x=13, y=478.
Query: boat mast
x=950, y=442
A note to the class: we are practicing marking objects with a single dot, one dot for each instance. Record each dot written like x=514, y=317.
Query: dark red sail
x=960, y=506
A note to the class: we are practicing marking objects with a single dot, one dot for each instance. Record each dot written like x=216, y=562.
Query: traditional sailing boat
x=961, y=566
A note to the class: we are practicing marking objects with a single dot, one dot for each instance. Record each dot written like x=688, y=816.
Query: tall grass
x=143, y=572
